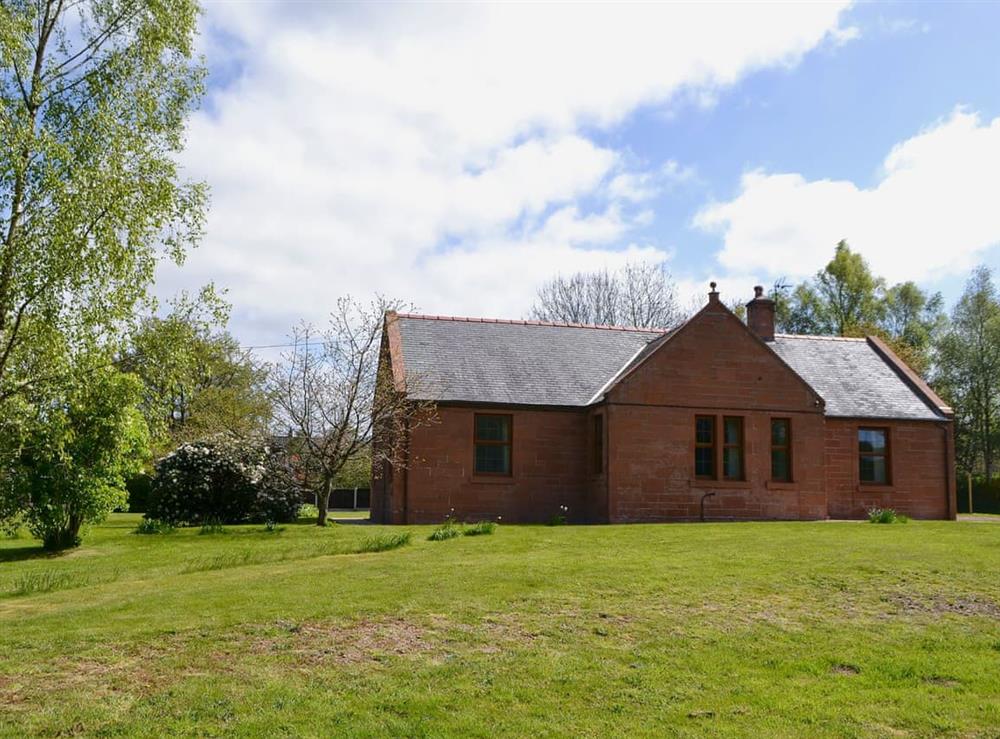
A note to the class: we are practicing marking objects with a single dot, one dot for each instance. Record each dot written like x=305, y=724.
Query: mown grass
x=812, y=629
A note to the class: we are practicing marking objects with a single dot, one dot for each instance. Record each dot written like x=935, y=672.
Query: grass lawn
x=770, y=629
x=340, y=513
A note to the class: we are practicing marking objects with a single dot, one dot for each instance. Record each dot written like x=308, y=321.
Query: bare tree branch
x=641, y=294
x=331, y=394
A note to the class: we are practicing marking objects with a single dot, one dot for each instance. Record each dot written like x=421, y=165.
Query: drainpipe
x=706, y=495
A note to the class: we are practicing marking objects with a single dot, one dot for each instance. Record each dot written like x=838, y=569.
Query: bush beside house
x=226, y=481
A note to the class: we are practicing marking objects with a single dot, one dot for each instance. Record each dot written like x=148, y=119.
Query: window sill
x=492, y=479
x=781, y=485
x=875, y=487
x=730, y=484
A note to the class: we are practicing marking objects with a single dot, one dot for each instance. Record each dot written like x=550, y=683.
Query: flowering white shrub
x=279, y=495
x=223, y=480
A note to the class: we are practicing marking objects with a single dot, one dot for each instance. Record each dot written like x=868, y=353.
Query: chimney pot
x=713, y=296
x=760, y=314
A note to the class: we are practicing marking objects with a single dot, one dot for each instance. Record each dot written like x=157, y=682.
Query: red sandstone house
x=714, y=419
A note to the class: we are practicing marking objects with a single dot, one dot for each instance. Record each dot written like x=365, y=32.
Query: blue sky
x=455, y=156
x=835, y=115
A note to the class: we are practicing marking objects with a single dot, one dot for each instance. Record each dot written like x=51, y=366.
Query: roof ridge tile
x=820, y=337
x=531, y=322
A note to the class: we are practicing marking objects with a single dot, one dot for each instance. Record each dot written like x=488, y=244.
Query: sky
x=456, y=156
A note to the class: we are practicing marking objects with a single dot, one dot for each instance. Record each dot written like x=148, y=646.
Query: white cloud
x=638, y=187
x=901, y=26
x=932, y=212
x=439, y=153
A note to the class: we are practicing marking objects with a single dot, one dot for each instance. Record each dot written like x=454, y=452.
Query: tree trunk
x=323, y=502
x=64, y=538
x=988, y=446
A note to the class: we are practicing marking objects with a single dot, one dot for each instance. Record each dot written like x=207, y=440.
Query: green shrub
x=67, y=452
x=152, y=526
x=483, y=528
x=206, y=481
x=225, y=480
x=384, y=542
x=448, y=530
x=885, y=515
x=279, y=495
x=308, y=510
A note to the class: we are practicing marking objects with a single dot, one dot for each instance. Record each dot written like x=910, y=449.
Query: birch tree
x=968, y=373
x=94, y=95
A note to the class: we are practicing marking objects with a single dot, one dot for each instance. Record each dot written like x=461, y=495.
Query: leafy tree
x=357, y=472
x=846, y=299
x=197, y=382
x=912, y=316
x=68, y=455
x=93, y=99
x=968, y=373
x=332, y=392
x=842, y=296
x=640, y=294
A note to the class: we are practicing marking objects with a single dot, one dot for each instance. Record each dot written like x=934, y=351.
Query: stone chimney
x=760, y=314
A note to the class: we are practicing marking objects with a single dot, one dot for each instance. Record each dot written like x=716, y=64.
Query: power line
x=268, y=346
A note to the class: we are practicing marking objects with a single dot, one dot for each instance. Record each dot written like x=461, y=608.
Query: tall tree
x=640, y=294
x=331, y=391
x=846, y=299
x=842, y=295
x=197, y=381
x=93, y=99
x=968, y=372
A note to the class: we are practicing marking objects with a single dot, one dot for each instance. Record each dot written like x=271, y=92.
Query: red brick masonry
x=713, y=366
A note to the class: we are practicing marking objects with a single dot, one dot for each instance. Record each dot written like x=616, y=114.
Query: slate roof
x=520, y=362
x=852, y=377
x=532, y=363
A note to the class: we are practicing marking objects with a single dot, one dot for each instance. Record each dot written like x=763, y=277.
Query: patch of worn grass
x=772, y=629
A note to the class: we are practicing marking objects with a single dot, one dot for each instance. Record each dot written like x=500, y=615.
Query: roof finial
x=713, y=297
